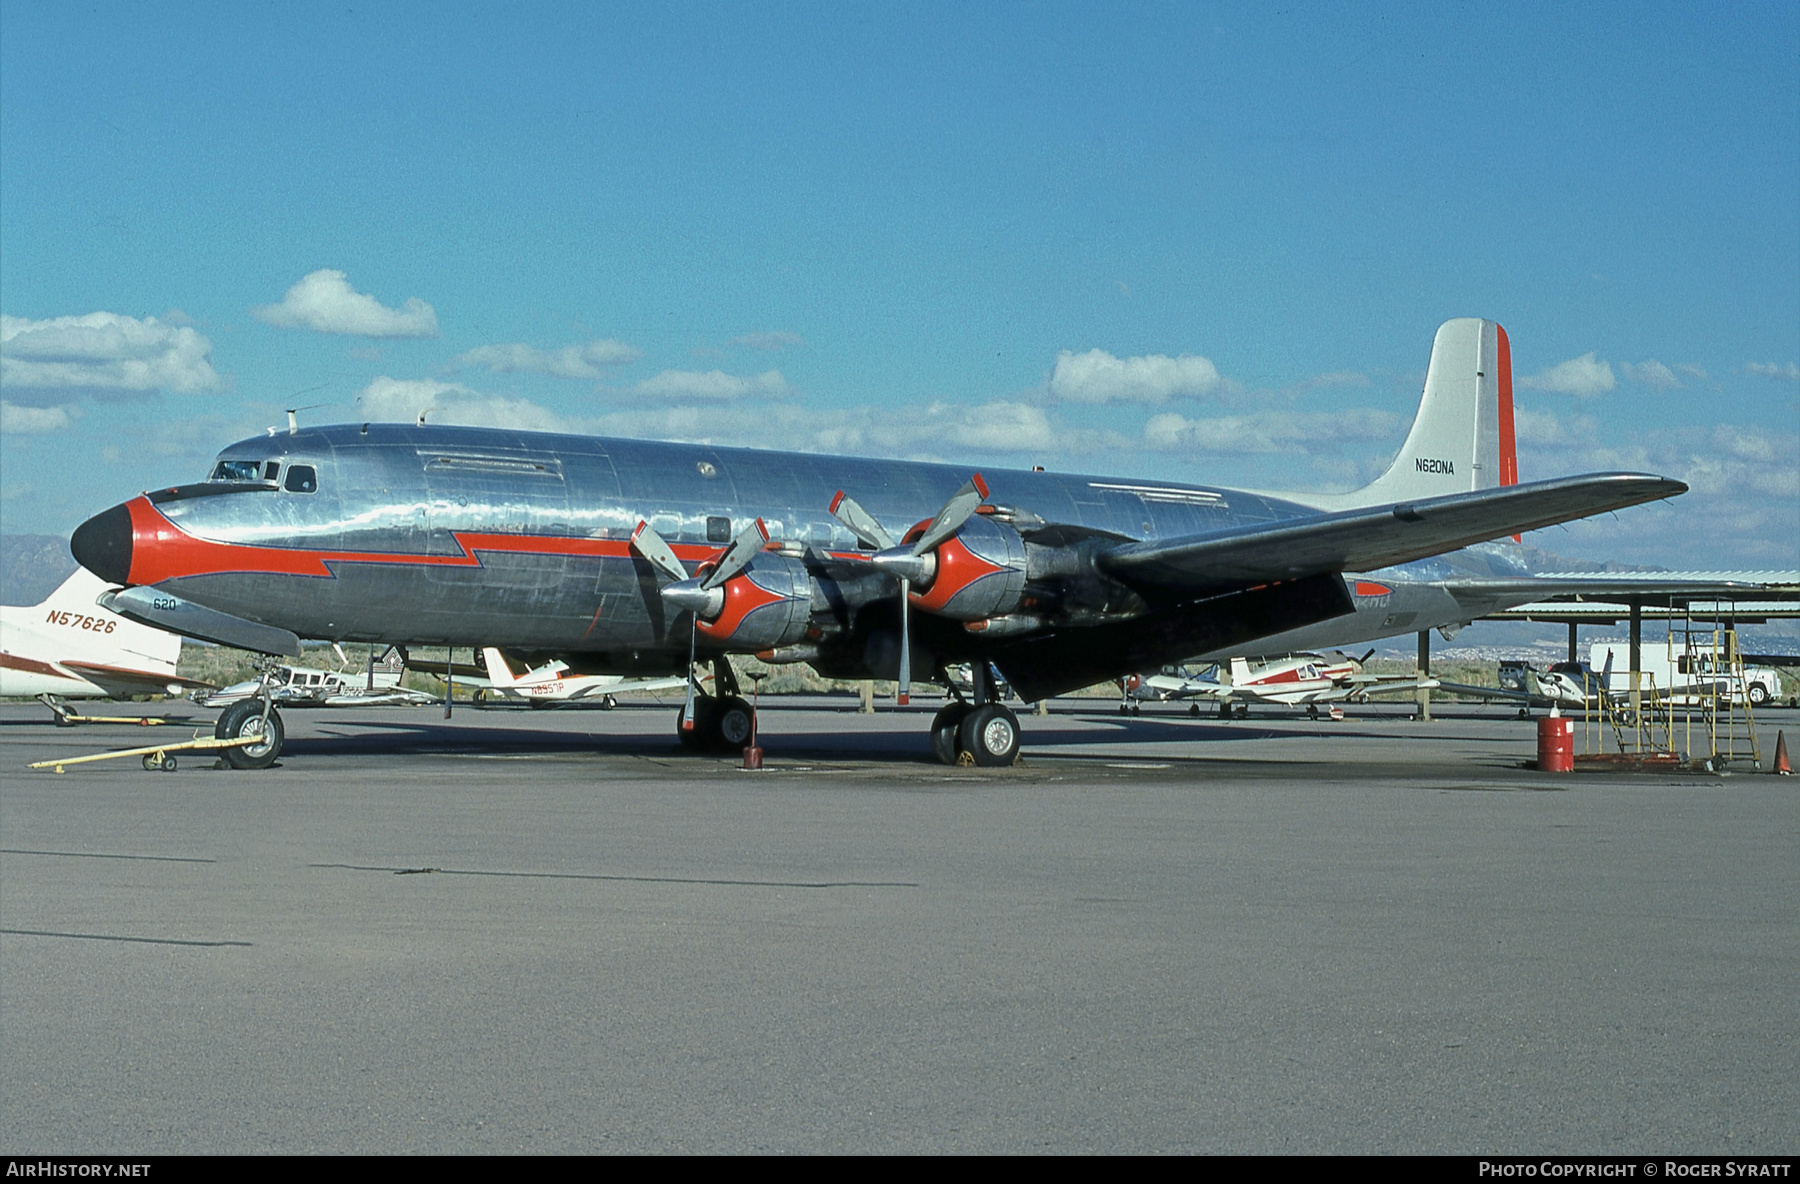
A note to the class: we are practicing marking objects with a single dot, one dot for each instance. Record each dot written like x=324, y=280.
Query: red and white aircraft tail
x=69, y=647
x=1462, y=438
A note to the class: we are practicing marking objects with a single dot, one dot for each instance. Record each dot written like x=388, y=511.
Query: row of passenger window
x=300, y=478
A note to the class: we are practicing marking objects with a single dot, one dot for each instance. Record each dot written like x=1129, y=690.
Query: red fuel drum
x=1556, y=745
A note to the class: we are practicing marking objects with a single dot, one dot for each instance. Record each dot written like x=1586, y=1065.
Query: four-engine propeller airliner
x=634, y=557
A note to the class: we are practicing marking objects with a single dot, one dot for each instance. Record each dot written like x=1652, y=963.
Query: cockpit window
x=239, y=470
x=301, y=479
x=270, y=468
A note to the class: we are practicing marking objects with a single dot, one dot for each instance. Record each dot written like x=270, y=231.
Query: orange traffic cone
x=1781, y=758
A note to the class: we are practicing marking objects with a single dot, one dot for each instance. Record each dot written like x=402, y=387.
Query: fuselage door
x=498, y=507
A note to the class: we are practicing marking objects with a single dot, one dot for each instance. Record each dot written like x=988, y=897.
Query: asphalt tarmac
x=521, y=931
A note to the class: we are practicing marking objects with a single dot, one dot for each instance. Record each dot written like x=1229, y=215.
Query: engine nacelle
x=980, y=573
x=767, y=605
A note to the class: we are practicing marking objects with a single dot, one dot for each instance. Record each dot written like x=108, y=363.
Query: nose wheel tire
x=990, y=735
x=242, y=719
x=944, y=728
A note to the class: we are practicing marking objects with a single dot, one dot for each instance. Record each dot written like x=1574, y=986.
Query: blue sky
x=1205, y=242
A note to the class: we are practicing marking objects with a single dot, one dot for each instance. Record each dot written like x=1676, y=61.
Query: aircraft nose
x=102, y=544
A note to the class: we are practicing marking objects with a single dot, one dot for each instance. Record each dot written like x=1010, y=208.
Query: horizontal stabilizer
x=1370, y=538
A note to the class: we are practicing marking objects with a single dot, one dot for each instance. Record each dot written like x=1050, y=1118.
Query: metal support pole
x=1424, y=673
x=1637, y=660
x=449, y=678
x=1574, y=653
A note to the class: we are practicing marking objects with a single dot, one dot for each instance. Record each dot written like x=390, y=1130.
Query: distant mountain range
x=32, y=566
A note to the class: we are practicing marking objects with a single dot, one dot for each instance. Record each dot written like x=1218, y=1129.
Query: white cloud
x=1099, y=377
x=1651, y=374
x=104, y=351
x=935, y=431
x=1269, y=431
x=571, y=361
x=1745, y=443
x=1583, y=377
x=395, y=400
x=1789, y=372
x=28, y=420
x=713, y=385
x=769, y=341
x=1546, y=429
x=324, y=301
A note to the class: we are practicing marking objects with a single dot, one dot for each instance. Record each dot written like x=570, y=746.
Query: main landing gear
x=981, y=733
x=723, y=721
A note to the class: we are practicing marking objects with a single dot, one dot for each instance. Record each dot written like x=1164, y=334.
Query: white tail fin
x=1462, y=437
x=72, y=626
x=499, y=672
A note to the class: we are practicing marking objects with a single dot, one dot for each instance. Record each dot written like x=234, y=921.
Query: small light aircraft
x=68, y=647
x=304, y=686
x=643, y=558
x=553, y=682
x=1290, y=679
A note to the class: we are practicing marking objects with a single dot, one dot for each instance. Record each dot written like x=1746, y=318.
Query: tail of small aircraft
x=1462, y=438
x=499, y=672
x=83, y=629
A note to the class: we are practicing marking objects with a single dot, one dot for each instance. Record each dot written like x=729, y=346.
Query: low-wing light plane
x=1294, y=680
x=643, y=558
x=68, y=647
x=305, y=686
x=552, y=682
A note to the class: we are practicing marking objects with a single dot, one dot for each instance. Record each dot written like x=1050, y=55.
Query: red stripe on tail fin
x=1509, y=447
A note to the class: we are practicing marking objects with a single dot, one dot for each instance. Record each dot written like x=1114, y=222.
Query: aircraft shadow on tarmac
x=374, y=738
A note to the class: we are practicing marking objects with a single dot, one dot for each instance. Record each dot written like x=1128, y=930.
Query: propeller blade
x=650, y=545
x=1364, y=659
x=742, y=550
x=862, y=524
x=905, y=690
x=687, y=710
x=956, y=511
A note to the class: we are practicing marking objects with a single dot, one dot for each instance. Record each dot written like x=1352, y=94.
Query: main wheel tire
x=703, y=735
x=608, y=703
x=1759, y=694
x=736, y=724
x=990, y=734
x=944, y=728
x=168, y=763
x=244, y=718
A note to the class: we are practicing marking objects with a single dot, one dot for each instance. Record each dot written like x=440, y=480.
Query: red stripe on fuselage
x=160, y=551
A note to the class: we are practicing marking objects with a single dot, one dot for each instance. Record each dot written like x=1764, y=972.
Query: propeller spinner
x=699, y=596
x=910, y=563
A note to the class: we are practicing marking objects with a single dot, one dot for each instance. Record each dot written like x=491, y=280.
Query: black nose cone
x=102, y=544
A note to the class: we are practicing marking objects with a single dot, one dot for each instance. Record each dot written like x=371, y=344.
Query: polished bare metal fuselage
x=404, y=502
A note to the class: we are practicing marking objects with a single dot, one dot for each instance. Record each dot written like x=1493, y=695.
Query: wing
x=1371, y=538
x=121, y=683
